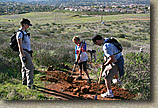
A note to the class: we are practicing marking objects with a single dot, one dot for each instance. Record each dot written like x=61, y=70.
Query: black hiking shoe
x=31, y=87
x=79, y=78
x=28, y=87
x=89, y=81
x=24, y=84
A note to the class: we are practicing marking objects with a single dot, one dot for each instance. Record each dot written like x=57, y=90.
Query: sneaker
x=108, y=95
x=28, y=87
x=79, y=78
x=24, y=84
x=89, y=81
x=31, y=87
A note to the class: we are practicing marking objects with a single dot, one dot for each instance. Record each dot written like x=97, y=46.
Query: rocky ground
x=64, y=86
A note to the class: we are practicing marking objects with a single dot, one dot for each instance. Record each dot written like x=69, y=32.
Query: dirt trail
x=63, y=86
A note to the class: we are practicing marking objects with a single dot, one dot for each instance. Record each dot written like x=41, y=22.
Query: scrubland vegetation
x=51, y=36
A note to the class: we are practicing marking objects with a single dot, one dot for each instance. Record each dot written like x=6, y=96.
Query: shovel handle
x=73, y=70
x=102, y=68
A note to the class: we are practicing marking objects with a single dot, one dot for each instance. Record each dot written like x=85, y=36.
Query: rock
x=76, y=90
x=50, y=68
x=102, y=86
x=85, y=89
x=78, y=94
x=69, y=79
x=69, y=87
x=102, y=91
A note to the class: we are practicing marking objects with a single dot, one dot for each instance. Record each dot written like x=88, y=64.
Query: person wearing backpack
x=25, y=53
x=113, y=61
x=83, y=57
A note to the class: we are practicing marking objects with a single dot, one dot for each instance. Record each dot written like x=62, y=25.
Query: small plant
x=53, y=23
x=45, y=32
x=125, y=43
x=121, y=35
x=104, y=30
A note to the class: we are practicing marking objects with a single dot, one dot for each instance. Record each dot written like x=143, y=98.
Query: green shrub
x=14, y=95
x=58, y=31
x=53, y=57
x=53, y=30
x=79, y=26
x=53, y=23
x=62, y=29
x=104, y=30
x=45, y=32
x=133, y=38
x=10, y=63
x=121, y=35
x=107, y=24
x=86, y=34
x=137, y=74
x=125, y=43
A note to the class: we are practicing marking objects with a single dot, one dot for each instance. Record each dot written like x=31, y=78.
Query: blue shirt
x=26, y=44
x=110, y=49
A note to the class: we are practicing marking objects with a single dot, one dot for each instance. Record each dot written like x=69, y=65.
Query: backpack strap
x=22, y=34
x=107, y=41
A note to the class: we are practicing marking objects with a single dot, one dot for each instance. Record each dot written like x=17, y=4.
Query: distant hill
x=82, y=2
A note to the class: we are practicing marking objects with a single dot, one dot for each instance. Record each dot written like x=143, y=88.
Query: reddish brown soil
x=63, y=86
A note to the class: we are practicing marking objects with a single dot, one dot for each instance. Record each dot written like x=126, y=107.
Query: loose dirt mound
x=63, y=86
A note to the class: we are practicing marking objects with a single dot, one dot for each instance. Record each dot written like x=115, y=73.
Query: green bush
x=137, y=74
x=10, y=63
x=45, y=32
x=133, y=38
x=53, y=23
x=14, y=95
x=104, y=30
x=125, y=43
x=58, y=31
x=121, y=35
x=53, y=57
x=53, y=30
x=86, y=34
x=78, y=26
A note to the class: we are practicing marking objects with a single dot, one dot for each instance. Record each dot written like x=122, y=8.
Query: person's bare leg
x=87, y=74
x=108, y=84
x=80, y=70
x=95, y=58
x=116, y=76
x=117, y=79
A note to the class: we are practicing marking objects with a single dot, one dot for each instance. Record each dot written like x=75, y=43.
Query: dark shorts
x=110, y=71
x=84, y=65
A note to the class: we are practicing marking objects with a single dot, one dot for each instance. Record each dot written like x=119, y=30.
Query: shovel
x=102, y=68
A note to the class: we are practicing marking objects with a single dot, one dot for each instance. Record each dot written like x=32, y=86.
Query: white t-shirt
x=83, y=55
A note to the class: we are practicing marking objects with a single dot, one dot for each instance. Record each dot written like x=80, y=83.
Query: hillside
x=51, y=37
